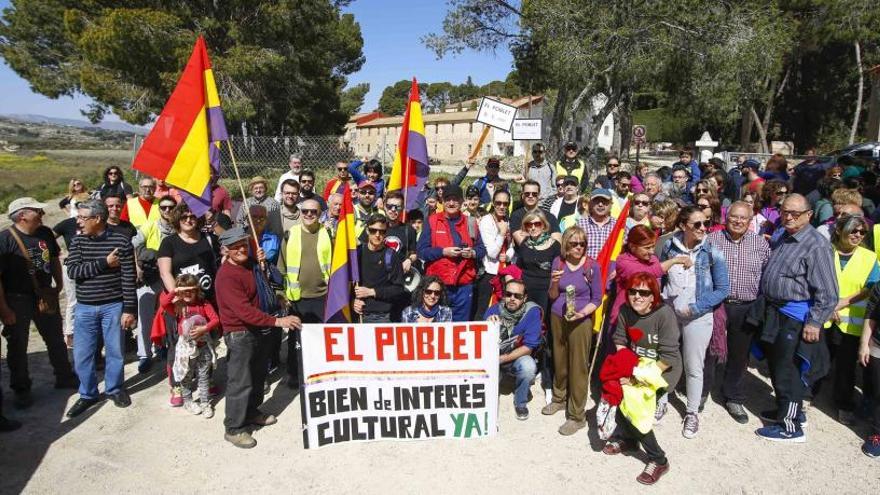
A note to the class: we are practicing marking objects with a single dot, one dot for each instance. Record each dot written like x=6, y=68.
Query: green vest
x=293, y=254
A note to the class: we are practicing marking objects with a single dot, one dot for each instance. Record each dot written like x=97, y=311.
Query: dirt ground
x=152, y=448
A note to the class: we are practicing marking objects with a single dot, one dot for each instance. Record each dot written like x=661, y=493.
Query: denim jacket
x=713, y=285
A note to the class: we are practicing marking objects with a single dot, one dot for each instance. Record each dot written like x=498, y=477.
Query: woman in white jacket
x=496, y=236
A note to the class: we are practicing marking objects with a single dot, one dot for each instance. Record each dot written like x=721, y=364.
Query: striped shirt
x=746, y=259
x=596, y=234
x=801, y=268
x=96, y=282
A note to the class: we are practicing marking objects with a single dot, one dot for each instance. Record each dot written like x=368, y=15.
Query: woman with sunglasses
x=428, y=303
x=187, y=250
x=772, y=194
x=495, y=232
x=857, y=272
x=711, y=207
x=648, y=328
x=694, y=292
x=535, y=251
x=639, y=211
x=576, y=291
x=76, y=192
x=114, y=185
x=664, y=214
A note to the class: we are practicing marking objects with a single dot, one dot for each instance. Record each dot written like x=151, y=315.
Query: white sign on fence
x=364, y=382
x=527, y=129
x=496, y=114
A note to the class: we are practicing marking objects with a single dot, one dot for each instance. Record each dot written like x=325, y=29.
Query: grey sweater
x=659, y=340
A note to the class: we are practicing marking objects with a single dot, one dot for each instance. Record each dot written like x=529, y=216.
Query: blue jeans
x=524, y=370
x=460, y=301
x=90, y=321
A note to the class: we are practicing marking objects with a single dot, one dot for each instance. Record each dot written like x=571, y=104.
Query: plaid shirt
x=745, y=262
x=596, y=234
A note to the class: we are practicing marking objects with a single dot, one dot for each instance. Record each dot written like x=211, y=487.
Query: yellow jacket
x=640, y=397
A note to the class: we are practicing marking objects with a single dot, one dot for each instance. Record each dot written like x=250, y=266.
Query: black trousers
x=309, y=310
x=873, y=371
x=739, y=345
x=246, y=361
x=785, y=373
x=845, y=349
x=484, y=293
x=49, y=326
x=626, y=431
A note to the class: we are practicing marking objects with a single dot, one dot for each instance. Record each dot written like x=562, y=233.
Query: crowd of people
x=721, y=264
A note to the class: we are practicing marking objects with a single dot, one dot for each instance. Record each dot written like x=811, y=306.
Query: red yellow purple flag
x=183, y=146
x=410, y=169
x=343, y=265
x=607, y=256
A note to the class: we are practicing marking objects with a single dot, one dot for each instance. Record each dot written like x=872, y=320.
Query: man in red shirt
x=244, y=326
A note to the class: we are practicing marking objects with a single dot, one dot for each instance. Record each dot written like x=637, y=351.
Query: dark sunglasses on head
x=514, y=295
x=705, y=224
x=433, y=292
x=308, y=211
x=640, y=292
x=373, y=231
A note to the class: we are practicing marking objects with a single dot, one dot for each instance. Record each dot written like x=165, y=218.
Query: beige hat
x=22, y=203
x=257, y=180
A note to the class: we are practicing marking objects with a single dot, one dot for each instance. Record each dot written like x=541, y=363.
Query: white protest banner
x=398, y=381
x=527, y=129
x=496, y=114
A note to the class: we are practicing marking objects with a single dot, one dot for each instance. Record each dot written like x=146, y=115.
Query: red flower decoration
x=635, y=334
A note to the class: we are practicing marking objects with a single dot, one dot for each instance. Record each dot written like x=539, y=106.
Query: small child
x=194, y=358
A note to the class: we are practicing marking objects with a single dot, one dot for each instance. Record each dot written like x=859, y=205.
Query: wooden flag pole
x=243, y=195
x=476, y=151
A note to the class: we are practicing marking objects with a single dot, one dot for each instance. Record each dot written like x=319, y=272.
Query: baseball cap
x=366, y=183
x=232, y=236
x=26, y=202
x=493, y=162
x=750, y=163
x=600, y=193
x=538, y=148
x=570, y=146
x=472, y=191
x=452, y=191
x=570, y=179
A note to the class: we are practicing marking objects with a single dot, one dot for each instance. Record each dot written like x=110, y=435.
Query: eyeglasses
x=792, y=213
x=373, y=231
x=530, y=194
x=679, y=177
x=577, y=244
x=529, y=225
x=516, y=295
x=367, y=192
x=642, y=203
x=147, y=187
x=502, y=203
x=393, y=207
x=701, y=190
x=306, y=181
x=861, y=232
x=600, y=201
x=705, y=224
x=35, y=210
x=703, y=206
x=640, y=292
x=342, y=169
x=433, y=292
x=83, y=219
x=308, y=212
x=613, y=165
x=166, y=207
x=561, y=184
x=112, y=172
x=238, y=246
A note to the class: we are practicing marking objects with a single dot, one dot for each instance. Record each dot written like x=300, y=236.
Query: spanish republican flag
x=183, y=146
x=410, y=169
x=606, y=258
x=343, y=265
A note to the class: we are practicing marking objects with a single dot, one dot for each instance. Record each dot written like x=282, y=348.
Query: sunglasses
x=792, y=213
x=306, y=181
x=309, y=212
x=529, y=225
x=166, y=208
x=780, y=193
x=613, y=165
x=515, y=295
x=642, y=203
x=640, y=292
x=702, y=189
x=342, y=169
x=392, y=207
x=112, y=173
x=561, y=184
x=530, y=194
x=577, y=244
x=502, y=203
x=703, y=206
x=192, y=218
x=433, y=292
x=367, y=192
x=373, y=231
x=148, y=187
x=705, y=224
x=861, y=232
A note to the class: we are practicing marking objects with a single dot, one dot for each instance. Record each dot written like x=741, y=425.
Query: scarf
x=534, y=243
x=510, y=319
x=429, y=313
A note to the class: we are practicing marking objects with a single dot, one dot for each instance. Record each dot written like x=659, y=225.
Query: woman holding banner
x=428, y=303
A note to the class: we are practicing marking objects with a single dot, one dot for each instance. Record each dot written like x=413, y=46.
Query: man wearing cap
x=243, y=320
x=365, y=206
x=493, y=166
x=571, y=165
x=258, y=188
x=543, y=173
x=101, y=263
x=142, y=209
x=451, y=248
x=28, y=265
x=306, y=253
x=296, y=166
x=567, y=204
x=599, y=223
x=750, y=169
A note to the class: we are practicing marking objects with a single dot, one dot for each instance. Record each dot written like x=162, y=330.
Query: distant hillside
x=50, y=133
x=82, y=124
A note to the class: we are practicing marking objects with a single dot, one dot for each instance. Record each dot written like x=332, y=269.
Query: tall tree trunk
x=858, y=113
x=624, y=110
x=874, y=109
x=745, y=130
x=616, y=142
x=560, y=106
x=762, y=132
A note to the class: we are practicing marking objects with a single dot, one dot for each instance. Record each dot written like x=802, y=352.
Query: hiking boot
x=261, y=419
x=770, y=416
x=846, y=417
x=776, y=433
x=23, y=399
x=691, y=425
x=652, y=473
x=522, y=412
x=871, y=447
x=570, y=427
x=552, y=408
x=737, y=412
x=614, y=447
x=176, y=399
x=7, y=424
x=242, y=440
x=207, y=410
x=192, y=407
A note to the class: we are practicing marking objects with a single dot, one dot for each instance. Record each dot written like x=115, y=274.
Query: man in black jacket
x=381, y=285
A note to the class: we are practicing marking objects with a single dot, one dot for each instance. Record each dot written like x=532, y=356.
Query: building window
x=488, y=150
x=578, y=134
x=368, y=148
x=470, y=148
x=470, y=128
x=452, y=149
x=369, y=131
x=435, y=150
x=436, y=128
x=452, y=128
x=606, y=130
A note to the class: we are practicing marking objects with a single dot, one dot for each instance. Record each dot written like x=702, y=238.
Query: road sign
x=639, y=134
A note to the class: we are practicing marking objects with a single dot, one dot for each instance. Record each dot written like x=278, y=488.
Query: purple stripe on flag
x=338, y=295
x=199, y=206
x=353, y=265
x=417, y=147
x=216, y=124
x=214, y=158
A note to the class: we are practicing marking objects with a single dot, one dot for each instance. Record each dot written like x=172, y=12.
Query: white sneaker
x=207, y=410
x=192, y=406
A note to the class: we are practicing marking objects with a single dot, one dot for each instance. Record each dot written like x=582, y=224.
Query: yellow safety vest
x=877, y=240
x=577, y=172
x=152, y=234
x=136, y=214
x=293, y=254
x=852, y=280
